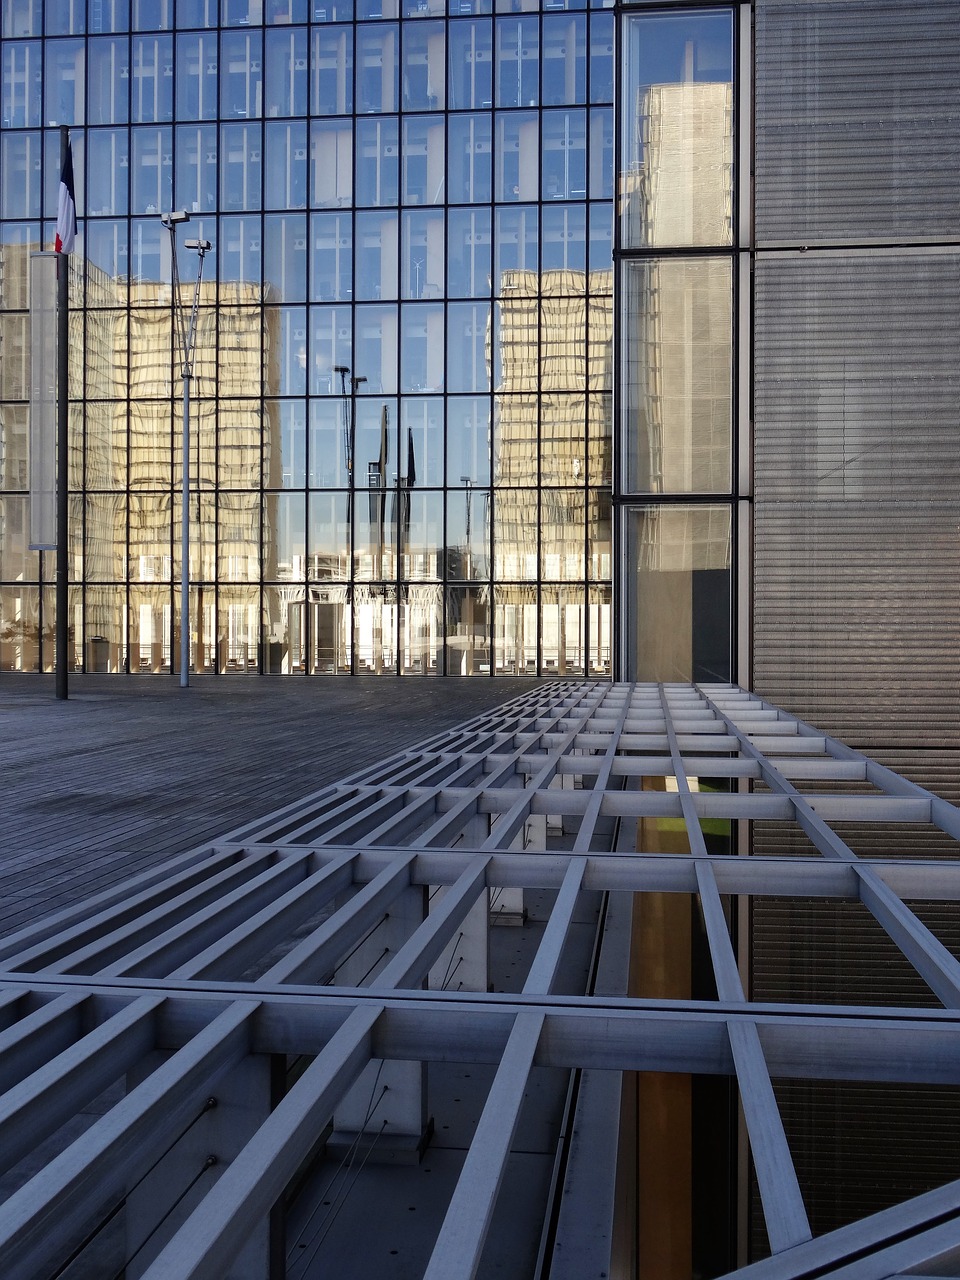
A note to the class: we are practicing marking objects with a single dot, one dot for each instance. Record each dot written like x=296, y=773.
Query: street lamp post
x=187, y=334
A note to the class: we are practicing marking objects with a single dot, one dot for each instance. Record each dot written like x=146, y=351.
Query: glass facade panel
x=679, y=604
x=403, y=367
x=678, y=346
x=676, y=179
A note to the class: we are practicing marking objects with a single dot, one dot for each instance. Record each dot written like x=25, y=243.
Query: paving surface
x=131, y=770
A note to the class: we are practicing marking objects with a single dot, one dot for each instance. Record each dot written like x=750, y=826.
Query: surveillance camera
x=172, y=219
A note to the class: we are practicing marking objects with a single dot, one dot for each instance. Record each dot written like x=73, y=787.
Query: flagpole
x=63, y=420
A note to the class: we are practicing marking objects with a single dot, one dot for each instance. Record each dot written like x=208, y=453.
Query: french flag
x=66, y=207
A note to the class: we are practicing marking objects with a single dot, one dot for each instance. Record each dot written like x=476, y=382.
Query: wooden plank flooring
x=132, y=769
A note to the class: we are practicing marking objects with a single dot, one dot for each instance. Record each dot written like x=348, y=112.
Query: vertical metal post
x=185, y=533
x=63, y=453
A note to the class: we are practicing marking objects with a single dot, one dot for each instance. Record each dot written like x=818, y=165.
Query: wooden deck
x=133, y=769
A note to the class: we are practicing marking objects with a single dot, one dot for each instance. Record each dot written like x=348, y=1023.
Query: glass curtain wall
x=676, y=341
x=401, y=408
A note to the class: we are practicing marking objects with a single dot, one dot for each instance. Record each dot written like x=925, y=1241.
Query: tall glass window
x=676, y=339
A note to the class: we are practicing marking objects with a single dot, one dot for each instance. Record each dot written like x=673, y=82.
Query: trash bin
x=98, y=653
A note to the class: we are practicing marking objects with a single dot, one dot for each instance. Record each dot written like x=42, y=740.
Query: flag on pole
x=66, y=207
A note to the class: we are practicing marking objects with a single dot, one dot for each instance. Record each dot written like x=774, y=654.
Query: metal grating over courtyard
x=244, y=1061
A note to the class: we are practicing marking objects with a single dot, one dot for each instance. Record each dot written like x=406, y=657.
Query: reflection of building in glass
x=371, y=187
x=551, y=465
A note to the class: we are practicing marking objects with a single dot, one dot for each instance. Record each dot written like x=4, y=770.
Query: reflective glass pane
x=515, y=246
x=677, y=375
x=16, y=559
x=468, y=631
x=376, y=457
x=20, y=165
x=330, y=346
x=152, y=175
x=468, y=440
x=238, y=526
x=197, y=63
x=563, y=237
x=601, y=57
x=468, y=168
x=240, y=258
x=238, y=629
x=516, y=447
x=468, y=336
x=518, y=62
x=421, y=630
x=378, y=66
x=329, y=442
x=420, y=519
x=285, y=444
x=563, y=443
x=284, y=352
x=285, y=88
x=515, y=525
x=376, y=348
x=106, y=371
x=468, y=534
x=678, y=603
x=562, y=534
x=378, y=168
x=328, y=541
x=331, y=630
x=515, y=630
x=13, y=459
x=375, y=628
x=376, y=257
x=421, y=347
x=241, y=74
x=284, y=636
x=104, y=632
x=152, y=79
x=471, y=78
x=423, y=257
x=20, y=18
x=421, y=441
x=66, y=18
x=599, y=630
x=601, y=153
x=19, y=627
x=197, y=13
x=331, y=72
x=331, y=163
x=64, y=82
x=469, y=253
x=676, y=180
x=563, y=631
x=285, y=536
x=286, y=165
x=423, y=178
x=424, y=66
x=517, y=156
x=564, y=59
x=238, y=454
x=105, y=537
x=152, y=15
x=601, y=248
x=240, y=166
x=599, y=535
x=331, y=263
x=20, y=89
x=375, y=534
x=109, y=159
x=196, y=167
x=564, y=159
x=285, y=257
